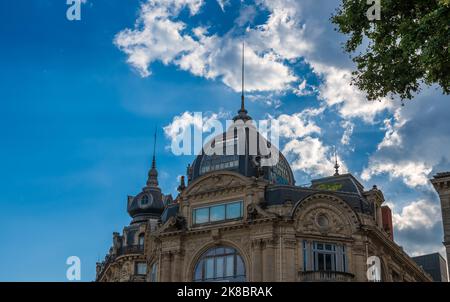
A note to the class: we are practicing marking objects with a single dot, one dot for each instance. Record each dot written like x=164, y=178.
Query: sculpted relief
x=225, y=181
x=317, y=215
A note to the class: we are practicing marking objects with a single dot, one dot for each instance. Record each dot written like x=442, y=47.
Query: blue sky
x=80, y=101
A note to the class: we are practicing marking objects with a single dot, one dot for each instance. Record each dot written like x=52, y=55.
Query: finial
x=336, y=165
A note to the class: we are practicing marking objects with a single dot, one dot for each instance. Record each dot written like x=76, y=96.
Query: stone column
x=268, y=260
x=165, y=267
x=289, y=260
x=256, y=261
x=176, y=266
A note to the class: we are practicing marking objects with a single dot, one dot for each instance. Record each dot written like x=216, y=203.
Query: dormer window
x=141, y=240
x=144, y=200
x=218, y=213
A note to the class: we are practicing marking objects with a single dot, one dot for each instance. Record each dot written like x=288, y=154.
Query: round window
x=322, y=220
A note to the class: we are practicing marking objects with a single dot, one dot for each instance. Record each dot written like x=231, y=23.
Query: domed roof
x=246, y=154
x=150, y=202
x=251, y=154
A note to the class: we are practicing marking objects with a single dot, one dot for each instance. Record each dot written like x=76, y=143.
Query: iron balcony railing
x=325, y=276
x=130, y=249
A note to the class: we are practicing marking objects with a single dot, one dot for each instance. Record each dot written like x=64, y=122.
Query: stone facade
x=441, y=183
x=238, y=221
x=271, y=239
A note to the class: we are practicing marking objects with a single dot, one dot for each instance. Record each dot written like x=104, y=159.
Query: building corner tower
x=441, y=183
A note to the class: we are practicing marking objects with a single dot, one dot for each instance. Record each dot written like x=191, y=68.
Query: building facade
x=435, y=265
x=441, y=183
x=236, y=220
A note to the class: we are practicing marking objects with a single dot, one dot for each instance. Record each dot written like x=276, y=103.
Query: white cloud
x=413, y=173
x=183, y=123
x=336, y=90
x=348, y=131
x=298, y=125
x=223, y=4
x=158, y=36
x=416, y=141
x=391, y=136
x=417, y=215
x=311, y=156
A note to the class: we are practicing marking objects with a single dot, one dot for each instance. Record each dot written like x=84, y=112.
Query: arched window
x=220, y=264
x=141, y=240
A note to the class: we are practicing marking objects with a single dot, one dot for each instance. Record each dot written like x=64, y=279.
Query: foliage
x=407, y=47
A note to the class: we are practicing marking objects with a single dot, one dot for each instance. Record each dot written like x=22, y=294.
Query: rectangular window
x=325, y=256
x=141, y=268
x=217, y=213
x=201, y=215
x=234, y=210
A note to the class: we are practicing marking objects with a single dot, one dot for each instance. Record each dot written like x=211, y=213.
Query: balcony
x=325, y=276
x=130, y=249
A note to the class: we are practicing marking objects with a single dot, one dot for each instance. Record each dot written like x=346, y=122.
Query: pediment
x=325, y=215
x=223, y=181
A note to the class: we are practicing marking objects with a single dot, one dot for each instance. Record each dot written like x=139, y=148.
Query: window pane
x=240, y=268
x=220, y=251
x=321, y=262
x=230, y=266
x=214, y=265
x=328, y=262
x=201, y=215
x=229, y=250
x=141, y=268
x=219, y=267
x=198, y=271
x=218, y=213
x=209, y=268
x=234, y=210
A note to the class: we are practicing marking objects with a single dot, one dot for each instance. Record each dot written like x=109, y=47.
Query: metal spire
x=154, y=151
x=152, y=180
x=242, y=113
x=243, y=78
x=336, y=165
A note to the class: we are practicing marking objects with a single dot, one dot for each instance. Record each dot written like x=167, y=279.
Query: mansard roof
x=344, y=186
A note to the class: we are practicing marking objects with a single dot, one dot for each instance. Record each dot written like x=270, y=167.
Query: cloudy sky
x=80, y=101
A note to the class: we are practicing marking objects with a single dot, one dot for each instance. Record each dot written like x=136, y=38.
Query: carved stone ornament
x=254, y=211
x=216, y=182
x=174, y=223
x=325, y=217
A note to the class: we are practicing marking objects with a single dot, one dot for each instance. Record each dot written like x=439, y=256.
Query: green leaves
x=407, y=47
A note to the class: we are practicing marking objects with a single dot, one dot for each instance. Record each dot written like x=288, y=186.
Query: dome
x=253, y=155
x=147, y=204
x=216, y=156
x=150, y=202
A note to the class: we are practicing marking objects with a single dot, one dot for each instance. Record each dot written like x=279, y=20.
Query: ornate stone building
x=441, y=183
x=236, y=220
